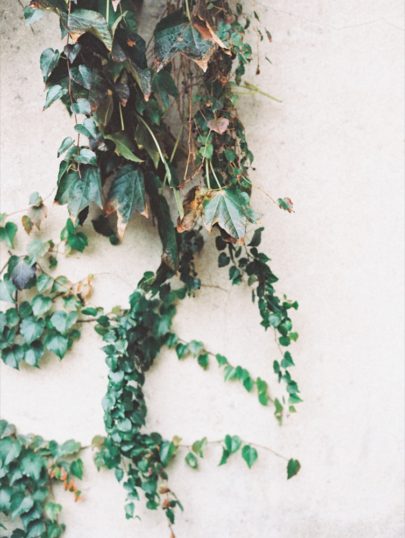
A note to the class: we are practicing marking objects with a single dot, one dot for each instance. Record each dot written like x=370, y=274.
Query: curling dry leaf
x=175, y=34
x=219, y=125
x=193, y=208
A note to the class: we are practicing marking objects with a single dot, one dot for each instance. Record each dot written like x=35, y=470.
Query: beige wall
x=334, y=146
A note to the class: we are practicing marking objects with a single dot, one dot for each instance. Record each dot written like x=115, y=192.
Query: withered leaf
x=126, y=196
x=219, y=125
x=176, y=35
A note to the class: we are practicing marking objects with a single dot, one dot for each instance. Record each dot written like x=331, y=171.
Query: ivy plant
x=29, y=468
x=157, y=134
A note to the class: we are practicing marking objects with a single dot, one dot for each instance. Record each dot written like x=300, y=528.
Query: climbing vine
x=158, y=134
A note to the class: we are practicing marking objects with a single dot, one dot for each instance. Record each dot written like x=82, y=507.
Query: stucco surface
x=334, y=146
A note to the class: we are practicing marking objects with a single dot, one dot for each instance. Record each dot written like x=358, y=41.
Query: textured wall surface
x=334, y=146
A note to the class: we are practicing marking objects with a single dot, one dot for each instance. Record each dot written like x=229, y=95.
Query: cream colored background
x=334, y=146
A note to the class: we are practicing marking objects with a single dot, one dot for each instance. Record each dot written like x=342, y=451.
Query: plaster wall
x=334, y=146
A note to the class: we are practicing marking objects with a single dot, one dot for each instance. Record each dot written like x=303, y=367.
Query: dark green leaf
x=293, y=468
x=126, y=196
x=81, y=21
x=250, y=455
x=123, y=147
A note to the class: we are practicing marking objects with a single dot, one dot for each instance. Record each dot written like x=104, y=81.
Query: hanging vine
x=164, y=140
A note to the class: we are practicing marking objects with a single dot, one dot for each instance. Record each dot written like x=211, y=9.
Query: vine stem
x=255, y=445
x=217, y=443
x=188, y=10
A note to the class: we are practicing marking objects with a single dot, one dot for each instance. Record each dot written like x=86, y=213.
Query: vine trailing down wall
x=158, y=133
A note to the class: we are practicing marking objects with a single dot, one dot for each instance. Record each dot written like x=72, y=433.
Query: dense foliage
x=29, y=467
x=158, y=134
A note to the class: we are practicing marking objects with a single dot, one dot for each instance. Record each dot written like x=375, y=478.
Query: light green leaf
x=32, y=466
x=31, y=329
x=52, y=510
x=7, y=291
x=69, y=448
x=41, y=305
x=230, y=210
x=10, y=449
x=191, y=460
x=65, y=145
x=54, y=93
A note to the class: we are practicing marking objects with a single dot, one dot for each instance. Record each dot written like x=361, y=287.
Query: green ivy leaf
x=37, y=249
x=191, y=460
x=75, y=239
x=232, y=443
x=167, y=452
x=230, y=210
x=54, y=93
x=123, y=147
x=8, y=233
x=7, y=291
x=41, y=305
x=293, y=468
x=199, y=446
x=52, y=510
x=32, y=15
x=126, y=196
x=85, y=190
x=257, y=238
x=81, y=21
x=31, y=329
x=250, y=455
x=57, y=344
x=69, y=448
x=32, y=466
x=62, y=321
x=36, y=529
x=10, y=449
x=65, y=145
x=48, y=61
x=76, y=468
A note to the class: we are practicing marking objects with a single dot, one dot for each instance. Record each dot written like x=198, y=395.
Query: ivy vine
x=158, y=133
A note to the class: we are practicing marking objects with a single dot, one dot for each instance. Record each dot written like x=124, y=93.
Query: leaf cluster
x=29, y=466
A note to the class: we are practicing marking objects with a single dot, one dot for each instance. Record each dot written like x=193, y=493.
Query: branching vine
x=164, y=140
